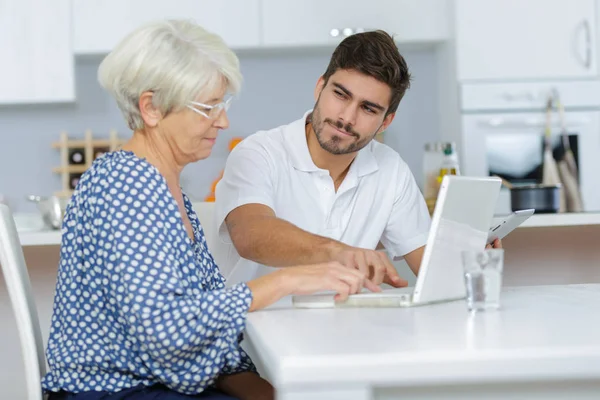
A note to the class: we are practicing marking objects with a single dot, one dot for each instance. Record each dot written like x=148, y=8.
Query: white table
x=543, y=344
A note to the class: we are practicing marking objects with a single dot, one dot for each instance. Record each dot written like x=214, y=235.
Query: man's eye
x=369, y=109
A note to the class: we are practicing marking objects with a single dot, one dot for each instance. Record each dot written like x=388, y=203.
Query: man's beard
x=334, y=145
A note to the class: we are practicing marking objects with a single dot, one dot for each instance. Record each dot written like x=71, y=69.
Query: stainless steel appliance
x=503, y=126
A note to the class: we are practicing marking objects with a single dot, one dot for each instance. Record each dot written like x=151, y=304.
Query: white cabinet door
x=36, y=62
x=327, y=22
x=526, y=39
x=101, y=24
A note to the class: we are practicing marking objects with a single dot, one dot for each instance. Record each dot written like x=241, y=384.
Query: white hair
x=177, y=60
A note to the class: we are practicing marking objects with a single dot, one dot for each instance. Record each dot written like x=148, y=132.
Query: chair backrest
x=224, y=254
x=17, y=281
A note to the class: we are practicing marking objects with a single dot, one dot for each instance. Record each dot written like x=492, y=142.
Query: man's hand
x=374, y=264
x=496, y=244
x=246, y=386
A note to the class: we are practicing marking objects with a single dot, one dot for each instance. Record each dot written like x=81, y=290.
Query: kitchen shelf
x=64, y=193
x=74, y=144
x=91, y=148
x=70, y=169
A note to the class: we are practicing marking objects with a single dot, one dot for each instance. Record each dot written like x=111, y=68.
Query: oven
x=503, y=128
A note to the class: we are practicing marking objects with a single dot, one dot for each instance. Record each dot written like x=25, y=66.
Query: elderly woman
x=141, y=310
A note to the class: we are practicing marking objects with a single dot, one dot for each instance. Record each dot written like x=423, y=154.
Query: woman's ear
x=150, y=114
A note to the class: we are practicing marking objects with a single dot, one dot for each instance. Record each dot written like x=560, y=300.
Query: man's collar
x=297, y=147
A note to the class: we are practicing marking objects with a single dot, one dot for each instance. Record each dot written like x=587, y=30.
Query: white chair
x=23, y=304
x=224, y=254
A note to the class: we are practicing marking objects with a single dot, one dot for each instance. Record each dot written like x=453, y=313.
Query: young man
x=321, y=189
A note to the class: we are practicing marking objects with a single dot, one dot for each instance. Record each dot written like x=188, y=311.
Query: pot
x=544, y=199
x=51, y=208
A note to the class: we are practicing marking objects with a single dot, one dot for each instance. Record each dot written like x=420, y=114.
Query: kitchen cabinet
x=533, y=39
x=37, y=57
x=305, y=23
x=100, y=24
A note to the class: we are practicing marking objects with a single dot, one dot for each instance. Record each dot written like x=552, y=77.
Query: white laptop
x=461, y=221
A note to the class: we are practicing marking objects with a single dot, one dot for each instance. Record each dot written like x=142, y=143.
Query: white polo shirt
x=378, y=200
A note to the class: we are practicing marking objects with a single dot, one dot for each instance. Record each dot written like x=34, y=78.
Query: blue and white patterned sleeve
x=179, y=335
x=245, y=364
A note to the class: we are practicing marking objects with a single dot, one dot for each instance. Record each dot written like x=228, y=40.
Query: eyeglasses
x=208, y=111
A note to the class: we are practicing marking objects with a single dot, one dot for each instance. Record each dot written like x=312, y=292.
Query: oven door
x=511, y=145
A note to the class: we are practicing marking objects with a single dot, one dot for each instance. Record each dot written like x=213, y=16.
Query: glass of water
x=483, y=278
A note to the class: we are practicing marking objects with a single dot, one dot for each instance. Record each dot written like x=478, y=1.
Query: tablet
x=508, y=224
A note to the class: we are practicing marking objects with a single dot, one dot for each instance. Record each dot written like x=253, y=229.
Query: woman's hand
x=332, y=276
x=308, y=279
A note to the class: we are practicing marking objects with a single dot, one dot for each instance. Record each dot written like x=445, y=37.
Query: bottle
x=76, y=157
x=99, y=151
x=447, y=166
x=74, y=180
x=449, y=163
x=432, y=159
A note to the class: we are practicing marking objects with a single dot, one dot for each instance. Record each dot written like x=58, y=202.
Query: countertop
x=541, y=333
x=33, y=233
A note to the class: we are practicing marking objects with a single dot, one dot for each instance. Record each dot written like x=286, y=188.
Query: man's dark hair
x=374, y=54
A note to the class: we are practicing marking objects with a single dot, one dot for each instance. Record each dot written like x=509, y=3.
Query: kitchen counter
x=543, y=343
x=33, y=233
x=565, y=219
x=547, y=249
x=40, y=238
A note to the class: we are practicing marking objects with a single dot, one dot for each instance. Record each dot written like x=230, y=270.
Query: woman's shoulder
x=121, y=163
x=120, y=175
x=120, y=170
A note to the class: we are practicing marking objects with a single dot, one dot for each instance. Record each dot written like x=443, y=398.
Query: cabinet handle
x=588, y=44
x=524, y=96
x=586, y=60
x=526, y=123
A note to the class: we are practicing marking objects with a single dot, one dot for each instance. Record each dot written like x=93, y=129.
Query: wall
x=278, y=88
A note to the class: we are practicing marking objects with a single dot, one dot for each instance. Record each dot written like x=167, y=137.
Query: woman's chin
x=202, y=154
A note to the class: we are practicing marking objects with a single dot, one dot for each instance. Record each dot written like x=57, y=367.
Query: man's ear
x=320, y=86
x=386, y=122
x=150, y=114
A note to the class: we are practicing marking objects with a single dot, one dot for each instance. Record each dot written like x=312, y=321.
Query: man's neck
x=337, y=164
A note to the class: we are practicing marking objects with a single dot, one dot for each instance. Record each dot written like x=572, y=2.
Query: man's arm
x=245, y=197
x=260, y=236
x=413, y=259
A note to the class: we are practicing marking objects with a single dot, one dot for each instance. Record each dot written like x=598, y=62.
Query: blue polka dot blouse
x=137, y=301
